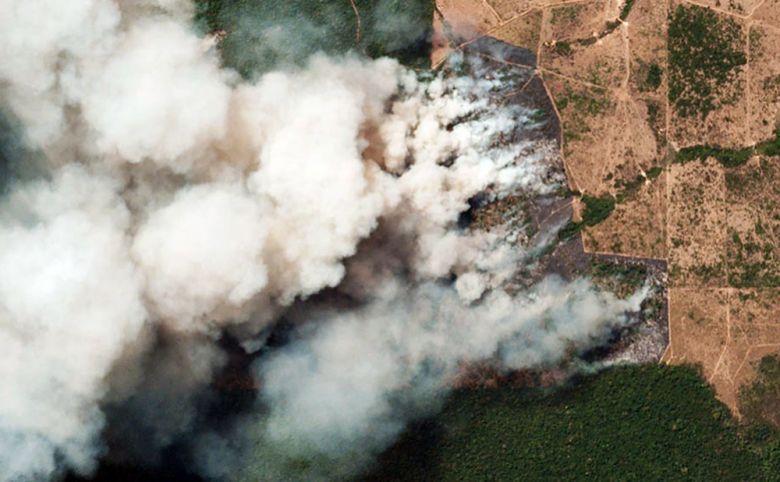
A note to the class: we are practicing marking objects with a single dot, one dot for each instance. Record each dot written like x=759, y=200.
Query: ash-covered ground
x=647, y=336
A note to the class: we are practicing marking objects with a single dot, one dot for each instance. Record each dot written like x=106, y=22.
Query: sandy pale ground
x=615, y=129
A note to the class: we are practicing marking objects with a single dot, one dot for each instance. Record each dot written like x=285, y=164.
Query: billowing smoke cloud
x=71, y=302
x=202, y=254
x=155, y=96
x=344, y=390
x=182, y=204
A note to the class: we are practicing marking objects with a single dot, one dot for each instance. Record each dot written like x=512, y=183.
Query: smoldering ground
x=174, y=205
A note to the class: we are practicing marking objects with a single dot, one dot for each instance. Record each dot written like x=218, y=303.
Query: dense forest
x=262, y=34
x=645, y=422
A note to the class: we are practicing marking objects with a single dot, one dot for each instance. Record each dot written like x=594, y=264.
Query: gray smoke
x=180, y=203
x=346, y=388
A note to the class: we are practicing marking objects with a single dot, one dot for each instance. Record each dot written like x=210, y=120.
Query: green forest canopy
x=641, y=422
x=262, y=34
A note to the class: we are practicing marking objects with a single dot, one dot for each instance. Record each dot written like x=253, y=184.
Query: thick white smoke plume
x=71, y=302
x=344, y=391
x=181, y=203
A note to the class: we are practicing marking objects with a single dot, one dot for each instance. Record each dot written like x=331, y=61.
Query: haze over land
x=265, y=240
x=670, y=108
x=162, y=213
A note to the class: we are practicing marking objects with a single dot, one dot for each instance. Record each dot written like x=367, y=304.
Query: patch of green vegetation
x=654, y=77
x=772, y=83
x=733, y=181
x=207, y=14
x=569, y=136
x=565, y=14
x=653, y=109
x=733, y=158
x=621, y=278
x=654, y=172
x=539, y=116
x=705, y=54
x=18, y=160
x=594, y=76
x=770, y=147
x=755, y=38
x=569, y=230
x=753, y=262
x=592, y=105
x=579, y=105
x=611, y=26
x=656, y=121
x=740, y=182
x=626, y=9
x=708, y=272
x=753, y=275
x=730, y=157
x=261, y=34
x=760, y=401
x=597, y=209
x=759, y=404
x=562, y=48
x=727, y=157
x=646, y=422
x=629, y=188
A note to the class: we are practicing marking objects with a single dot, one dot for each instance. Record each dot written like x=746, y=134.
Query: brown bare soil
x=521, y=31
x=698, y=327
x=508, y=9
x=467, y=19
x=763, y=82
x=735, y=7
x=602, y=63
x=574, y=20
x=643, y=217
x=717, y=227
x=724, y=331
x=769, y=12
x=590, y=125
x=647, y=50
x=697, y=225
x=753, y=242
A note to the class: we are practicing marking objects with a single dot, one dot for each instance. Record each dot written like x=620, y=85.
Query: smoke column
x=177, y=204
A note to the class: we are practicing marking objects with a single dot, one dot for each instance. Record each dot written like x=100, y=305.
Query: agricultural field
x=669, y=108
x=707, y=76
x=667, y=114
x=667, y=111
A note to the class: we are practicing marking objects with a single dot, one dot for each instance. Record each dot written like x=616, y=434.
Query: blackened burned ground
x=522, y=63
x=645, y=340
x=647, y=335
